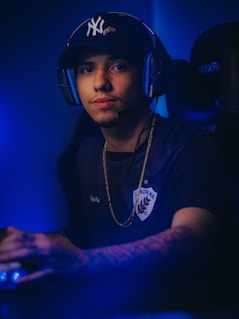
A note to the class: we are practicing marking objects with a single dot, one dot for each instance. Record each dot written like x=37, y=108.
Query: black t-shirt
x=183, y=170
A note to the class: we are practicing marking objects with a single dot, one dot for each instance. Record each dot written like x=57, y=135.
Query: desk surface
x=52, y=299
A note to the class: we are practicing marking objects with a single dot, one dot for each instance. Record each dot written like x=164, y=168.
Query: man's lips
x=103, y=102
x=103, y=99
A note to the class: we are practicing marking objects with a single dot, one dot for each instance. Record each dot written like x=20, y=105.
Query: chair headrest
x=186, y=100
x=215, y=57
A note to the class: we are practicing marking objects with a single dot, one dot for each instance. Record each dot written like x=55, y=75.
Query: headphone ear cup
x=161, y=77
x=67, y=85
x=158, y=69
x=157, y=75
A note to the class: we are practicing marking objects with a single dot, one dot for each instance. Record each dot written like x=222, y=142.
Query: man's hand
x=41, y=254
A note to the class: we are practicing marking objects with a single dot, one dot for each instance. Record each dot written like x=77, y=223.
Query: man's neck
x=127, y=135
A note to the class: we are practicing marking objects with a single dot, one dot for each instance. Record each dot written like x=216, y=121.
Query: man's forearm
x=178, y=244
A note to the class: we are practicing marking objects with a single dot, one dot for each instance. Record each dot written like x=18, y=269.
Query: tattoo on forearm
x=177, y=241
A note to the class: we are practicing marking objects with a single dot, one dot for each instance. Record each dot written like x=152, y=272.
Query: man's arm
x=186, y=243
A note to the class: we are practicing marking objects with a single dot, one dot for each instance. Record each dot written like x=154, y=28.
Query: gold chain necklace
x=130, y=219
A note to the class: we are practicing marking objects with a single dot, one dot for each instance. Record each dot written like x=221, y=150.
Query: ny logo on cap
x=97, y=27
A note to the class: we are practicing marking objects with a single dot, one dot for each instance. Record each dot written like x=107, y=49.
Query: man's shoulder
x=177, y=132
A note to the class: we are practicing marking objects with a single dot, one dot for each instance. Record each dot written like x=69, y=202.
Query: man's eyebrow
x=110, y=57
x=117, y=57
x=83, y=62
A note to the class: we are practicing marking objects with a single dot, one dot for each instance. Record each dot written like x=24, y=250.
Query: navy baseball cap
x=118, y=33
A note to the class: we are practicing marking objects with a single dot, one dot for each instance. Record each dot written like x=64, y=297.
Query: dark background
x=36, y=125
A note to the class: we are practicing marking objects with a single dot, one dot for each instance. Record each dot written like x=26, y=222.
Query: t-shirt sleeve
x=199, y=174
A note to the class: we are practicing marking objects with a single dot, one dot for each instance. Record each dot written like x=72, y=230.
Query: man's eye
x=118, y=67
x=85, y=69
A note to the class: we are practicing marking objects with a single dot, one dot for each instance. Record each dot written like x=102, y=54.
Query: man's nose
x=102, y=81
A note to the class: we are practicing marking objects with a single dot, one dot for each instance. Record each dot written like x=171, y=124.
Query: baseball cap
x=118, y=33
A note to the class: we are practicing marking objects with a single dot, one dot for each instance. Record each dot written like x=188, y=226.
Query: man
x=149, y=189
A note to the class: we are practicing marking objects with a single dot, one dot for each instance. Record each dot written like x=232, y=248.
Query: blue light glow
x=3, y=276
x=15, y=275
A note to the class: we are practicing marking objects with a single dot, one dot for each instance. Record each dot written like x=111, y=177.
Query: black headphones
x=156, y=70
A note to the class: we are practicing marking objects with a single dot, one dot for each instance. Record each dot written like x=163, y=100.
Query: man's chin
x=107, y=122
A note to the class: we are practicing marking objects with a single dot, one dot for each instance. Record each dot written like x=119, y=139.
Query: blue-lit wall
x=36, y=125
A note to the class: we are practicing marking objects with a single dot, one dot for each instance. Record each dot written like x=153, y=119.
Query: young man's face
x=109, y=85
